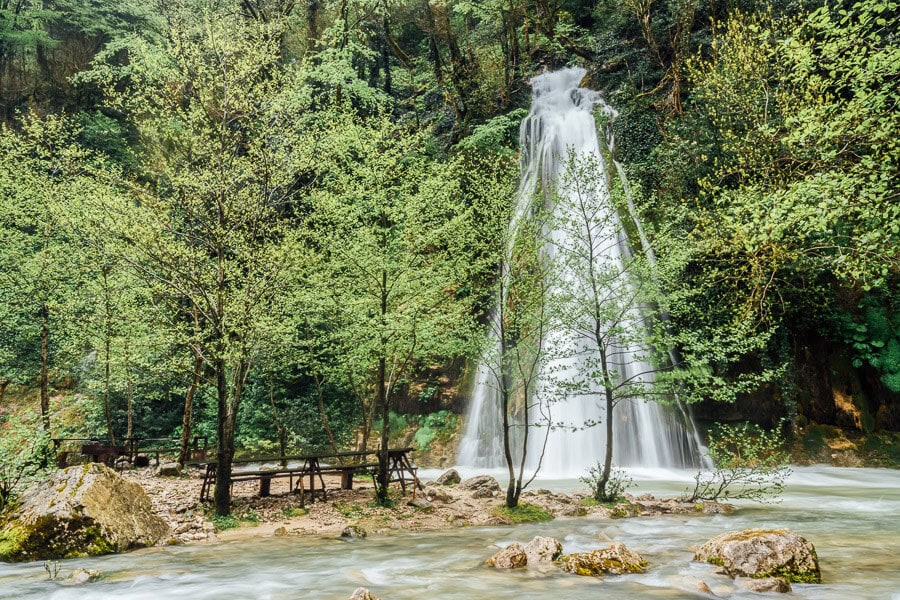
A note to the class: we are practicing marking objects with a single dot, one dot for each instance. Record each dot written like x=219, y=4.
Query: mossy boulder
x=85, y=510
x=763, y=553
x=617, y=560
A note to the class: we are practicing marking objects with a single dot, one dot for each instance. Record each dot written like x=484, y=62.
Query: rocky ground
x=475, y=501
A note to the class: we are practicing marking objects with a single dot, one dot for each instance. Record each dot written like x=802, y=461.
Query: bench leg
x=265, y=486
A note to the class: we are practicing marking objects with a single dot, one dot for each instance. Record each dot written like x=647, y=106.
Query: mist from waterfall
x=561, y=124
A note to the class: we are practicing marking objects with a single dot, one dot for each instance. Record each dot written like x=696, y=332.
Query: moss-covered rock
x=763, y=553
x=617, y=559
x=85, y=510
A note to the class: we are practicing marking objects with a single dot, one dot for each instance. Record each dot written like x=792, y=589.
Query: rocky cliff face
x=84, y=510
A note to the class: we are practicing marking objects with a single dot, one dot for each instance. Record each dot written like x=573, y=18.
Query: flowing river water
x=850, y=515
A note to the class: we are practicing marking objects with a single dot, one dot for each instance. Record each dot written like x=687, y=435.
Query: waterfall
x=561, y=122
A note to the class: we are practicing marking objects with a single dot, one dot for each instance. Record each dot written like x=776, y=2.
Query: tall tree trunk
x=608, y=392
x=106, y=377
x=129, y=396
x=3, y=384
x=184, y=453
x=107, y=353
x=386, y=57
x=383, y=475
x=325, y=422
x=224, y=441
x=279, y=425
x=312, y=25
x=45, y=377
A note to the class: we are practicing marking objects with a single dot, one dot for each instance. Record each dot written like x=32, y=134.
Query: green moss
x=523, y=513
x=11, y=541
x=792, y=575
x=293, y=511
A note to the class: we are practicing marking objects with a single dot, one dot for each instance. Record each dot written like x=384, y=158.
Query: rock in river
x=769, y=584
x=511, y=557
x=763, y=553
x=84, y=510
x=617, y=559
x=542, y=550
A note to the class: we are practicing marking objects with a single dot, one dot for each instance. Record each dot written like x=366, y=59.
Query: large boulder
x=511, y=557
x=617, y=559
x=763, y=553
x=362, y=593
x=542, y=550
x=481, y=486
x=85, y=510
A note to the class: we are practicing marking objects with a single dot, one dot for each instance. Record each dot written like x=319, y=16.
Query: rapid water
x=561, y=123
x=850, y=515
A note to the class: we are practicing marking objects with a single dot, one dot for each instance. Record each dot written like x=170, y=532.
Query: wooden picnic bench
x=313, y=467
x=94, y=449
x=145, y=447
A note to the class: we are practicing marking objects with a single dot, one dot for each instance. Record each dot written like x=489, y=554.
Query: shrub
x=750, y=464
x=435, y=426
x=610, y=489
x=25, y=457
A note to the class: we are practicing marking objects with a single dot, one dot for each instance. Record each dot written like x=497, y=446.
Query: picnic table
x=143, y=448
x=313, y=468
x=96, y=450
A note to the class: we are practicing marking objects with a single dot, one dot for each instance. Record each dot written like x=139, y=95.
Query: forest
x=282, y=226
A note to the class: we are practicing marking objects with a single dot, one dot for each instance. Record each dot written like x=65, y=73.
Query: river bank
x=477, y=501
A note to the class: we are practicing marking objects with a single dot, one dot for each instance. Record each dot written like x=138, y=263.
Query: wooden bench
x=146, y=447
x=104, y=453
x=400, y=469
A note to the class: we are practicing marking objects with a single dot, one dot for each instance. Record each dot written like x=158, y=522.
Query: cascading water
x=561, y=124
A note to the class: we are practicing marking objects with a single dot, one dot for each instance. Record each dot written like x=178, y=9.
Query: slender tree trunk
x=325, y=422
x=106, y=377
x=608, y=392
x=129, y=396
x=383, y=475
x=312, y=28
x=386, y=57
x=512, y=499
x=279, y=425
x=224, y=441
x=45, y=377
x=3, y=384
x=186, y=429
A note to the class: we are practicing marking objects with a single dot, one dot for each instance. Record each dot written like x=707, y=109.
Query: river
x=850, y=515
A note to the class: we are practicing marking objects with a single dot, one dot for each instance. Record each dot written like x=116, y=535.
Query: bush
x=612, y=488
x=434, y=426
x=750, y=464
x=25, y=457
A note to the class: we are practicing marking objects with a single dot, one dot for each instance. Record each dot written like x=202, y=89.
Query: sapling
x=750, y=464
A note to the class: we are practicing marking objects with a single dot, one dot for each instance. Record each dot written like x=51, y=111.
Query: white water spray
x=561, y=123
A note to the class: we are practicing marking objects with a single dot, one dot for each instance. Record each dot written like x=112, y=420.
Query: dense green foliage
x=261, y=221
